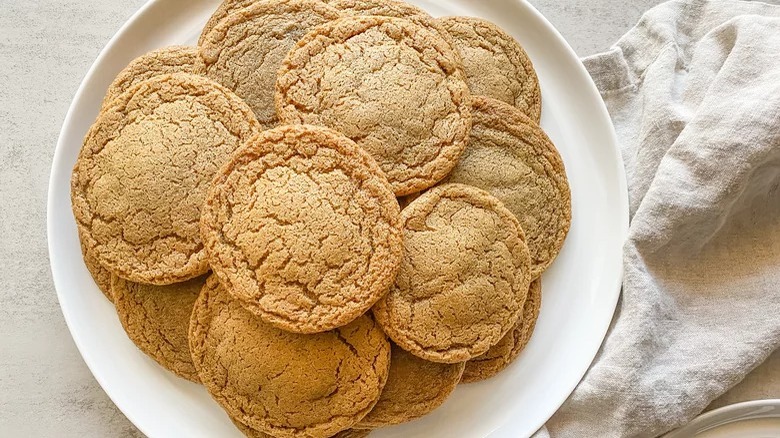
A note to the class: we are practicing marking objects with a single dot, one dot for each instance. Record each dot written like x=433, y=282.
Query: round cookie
x=101, y=275
x=392, y=85
x=244, y=50
x=464, y=275
x=173, y=59
x=414, y=388
x=511, y=157
x=157, y=320
x=251, y=433
x=495, y=64
x=281, y=383
x=143, y=172
x=509, y=347
x=303, y=228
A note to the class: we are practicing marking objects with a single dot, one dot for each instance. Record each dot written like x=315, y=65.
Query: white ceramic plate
x=752, y=419
x=580, y=289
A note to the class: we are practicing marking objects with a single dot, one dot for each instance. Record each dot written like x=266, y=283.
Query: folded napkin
x=694, y=93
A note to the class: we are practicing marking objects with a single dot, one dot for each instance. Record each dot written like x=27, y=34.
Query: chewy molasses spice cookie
x=157, y=320
x=509, y=347
x=414, y=388
x=244, y=50
x=495, y=64
x=511, y=157
x=251, y=433
x=303, y=228
x=464, y=275
x=143, y=172
x=168, y=60
x=285, y=384
x=394, y=86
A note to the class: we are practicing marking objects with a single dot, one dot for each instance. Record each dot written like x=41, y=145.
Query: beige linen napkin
x=694, y=93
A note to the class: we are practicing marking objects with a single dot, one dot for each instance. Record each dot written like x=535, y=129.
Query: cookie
x=511, y=157
x=392, y=8
x=173, y=59
x=414, y=388
x=509, y=347
x=244, y=50
x=224, y=9
x=157, y=320
x=392, y=85
x=142, y=175
x=495, y=64
x=281, y=383
x=303, y=228
x=251, y=433
x=464, y=275
x=100, y=275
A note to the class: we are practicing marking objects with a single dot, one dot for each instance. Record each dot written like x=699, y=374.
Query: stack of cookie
x=330, y=212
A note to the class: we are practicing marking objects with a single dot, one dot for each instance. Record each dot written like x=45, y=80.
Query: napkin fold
x=694, y=93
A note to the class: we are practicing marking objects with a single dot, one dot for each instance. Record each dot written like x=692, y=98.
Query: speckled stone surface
x=46, y=47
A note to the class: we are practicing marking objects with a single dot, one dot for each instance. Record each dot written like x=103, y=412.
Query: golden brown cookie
x=251, y=433
x=101, y=275
x=511, y=157
x=509, y=347
x=414, y=388
x=244, y=50
x=495, y=64
x=142, y=175
x=464, y=275
x=303, y=228
x=281, y=383
x=392, y=85
x=224, y=9
x=157, y=320
x=173, y=59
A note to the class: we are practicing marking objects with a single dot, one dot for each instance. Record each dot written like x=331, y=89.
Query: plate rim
x=615, y=287
x=734, y=409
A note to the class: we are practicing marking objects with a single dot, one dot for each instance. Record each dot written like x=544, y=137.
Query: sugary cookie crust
x=414, y=388
x=511, y=157
x=495, y=64
x=143, y=172
x=244, y=50
x=464, y=275
x=167, y=60
x=157, y=320
x=285, y=384
x=303, y=228
x=509, y=347
x=392, y=85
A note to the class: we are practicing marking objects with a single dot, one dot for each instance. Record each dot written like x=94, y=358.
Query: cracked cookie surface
x=281, y=383
x=495, y=64
x=245, y=49
x=302, y=227
x=143, y=173
x=167, y=60
x=511, y=157
x=251, y=433
x=414, y=388
x=393, y=86
x=464, y=275
x=157, y=320
x=509, y=347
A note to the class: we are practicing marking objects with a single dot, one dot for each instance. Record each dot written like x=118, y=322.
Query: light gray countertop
x=46, y=47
